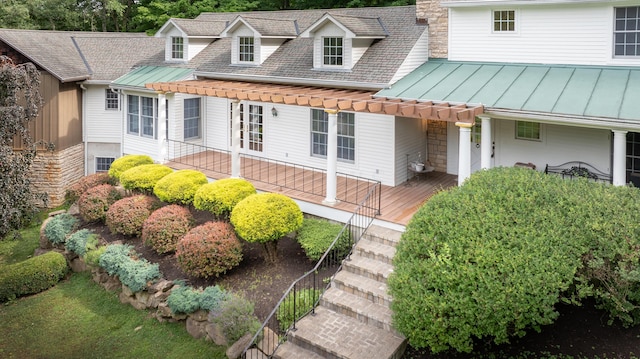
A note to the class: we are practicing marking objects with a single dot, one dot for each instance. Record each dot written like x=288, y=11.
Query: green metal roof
x=583, y=91
x=148, y=74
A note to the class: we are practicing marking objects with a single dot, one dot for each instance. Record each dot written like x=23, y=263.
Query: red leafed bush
x=94, y=202
x=76, y=190
x=127, y=215
x=165, y=227
x=209, y=250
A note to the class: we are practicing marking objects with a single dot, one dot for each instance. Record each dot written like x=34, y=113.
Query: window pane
x=332, y=51
x=191, y=118
x=528, y=130
x=103, y=163
x=246, y=49
x=627, y=31
x=133, y=111
x=177, y=48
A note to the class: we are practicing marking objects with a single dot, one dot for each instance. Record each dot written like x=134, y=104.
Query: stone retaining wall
x=54, y=172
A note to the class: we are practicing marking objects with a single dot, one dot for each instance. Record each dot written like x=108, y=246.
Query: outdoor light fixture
x=274, y=112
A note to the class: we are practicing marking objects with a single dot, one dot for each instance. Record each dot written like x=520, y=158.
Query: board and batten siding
x=557, y=34
x=102, y=125
x=410, y=139
x=559, y=144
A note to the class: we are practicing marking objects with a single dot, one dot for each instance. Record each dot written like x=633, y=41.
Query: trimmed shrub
x=126, y=162
x=221, y=196
x=165, y=227
x=144, y=177
x=133, y=271
x=92, y=257
x=316, y=235
x=86, y=182
x=265, y=218
x=32, y=276
x=185, y=299
x=127, y=215
x=180, y=186
x=492, y=258
x=236, y=317
x=94, y=202
x=209, y=250
x=295, y=306
x=81, y=241
x=59, y=227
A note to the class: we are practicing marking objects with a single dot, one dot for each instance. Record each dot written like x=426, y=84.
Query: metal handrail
x=311, y=281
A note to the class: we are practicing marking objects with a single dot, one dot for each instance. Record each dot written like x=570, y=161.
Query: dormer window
x=246, y=49
x=332, y=51
x=504, y=21
x=177, y=48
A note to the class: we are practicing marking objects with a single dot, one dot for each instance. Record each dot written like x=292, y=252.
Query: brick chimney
x=437, y=18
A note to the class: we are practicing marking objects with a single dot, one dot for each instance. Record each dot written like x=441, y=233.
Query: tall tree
x=20, y=102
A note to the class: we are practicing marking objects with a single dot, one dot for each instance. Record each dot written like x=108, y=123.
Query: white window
x=103, y=163
x=627, y=31
x=111, y=100
x=177, y=48
x=528, y=131
x=191, y=118
x=346, y=134
x=504, y=21
x=245, y=49
x=332, y=51
x=142, y=116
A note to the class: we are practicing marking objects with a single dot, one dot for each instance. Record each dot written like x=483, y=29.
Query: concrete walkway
x=354, y=319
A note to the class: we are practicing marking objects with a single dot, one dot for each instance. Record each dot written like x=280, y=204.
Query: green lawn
x=79, y=319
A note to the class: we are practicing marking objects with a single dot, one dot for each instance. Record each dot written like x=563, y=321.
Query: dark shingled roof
x=362, y=26
x=294, y=59
x=193, y=27
x=272, y=27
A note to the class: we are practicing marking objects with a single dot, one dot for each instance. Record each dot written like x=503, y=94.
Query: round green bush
x=95, y=202
x=126, y=162
x=127, y=215
x=265, y=218
x=185, y=299
x=235, y=316
x=221, y=196
x=76, y=190
x=144, y=177
x=32, y=276
x=180, y=186
x=59, y=227
x=81, y=241
x=165, y=227
x=209, y=250
x=316, y=235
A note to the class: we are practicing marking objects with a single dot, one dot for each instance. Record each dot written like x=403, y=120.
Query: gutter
x=293, y=81
x=474, y=3
x=560, y=119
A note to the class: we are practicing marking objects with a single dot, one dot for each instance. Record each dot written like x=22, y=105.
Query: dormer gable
x=185, y=38
x=254, y=39
x=339, y=41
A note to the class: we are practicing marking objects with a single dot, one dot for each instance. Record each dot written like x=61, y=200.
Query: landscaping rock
x=44, y=242
x=144, y=298
x=163, y=311
x=235, y=350
x=127, y=291
x=162, y=285
x=196, y=328
x=214, y=333
x=78, y=265
x=200, y=315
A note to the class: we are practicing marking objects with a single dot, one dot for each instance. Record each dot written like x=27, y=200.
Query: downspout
x=84, y=128
x=122, y=117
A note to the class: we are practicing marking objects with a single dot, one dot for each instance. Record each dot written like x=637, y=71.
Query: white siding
x=358, y=48
x=374, y=147
x=101, y=125
x=559, y=144
x=268, y=47
x=217, y=126
x=173, y=32
x=194, y=47
x=418, y=55
x=410, y=139
x=559, y=34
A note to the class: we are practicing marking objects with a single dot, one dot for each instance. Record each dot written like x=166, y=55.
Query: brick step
x=362, y=309
x=383, y=235
x=288, y=350
x=370, y=289
x=367, y=267
x=375, y=250
x=335, y=336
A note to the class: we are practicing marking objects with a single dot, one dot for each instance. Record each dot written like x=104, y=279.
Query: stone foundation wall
x=437, y=144
x=437, y=18
x=54, y=172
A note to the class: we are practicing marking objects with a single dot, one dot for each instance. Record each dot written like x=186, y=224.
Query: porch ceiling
x=320, y=97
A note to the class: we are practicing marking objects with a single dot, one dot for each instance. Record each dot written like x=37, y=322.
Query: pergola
x=330, y=99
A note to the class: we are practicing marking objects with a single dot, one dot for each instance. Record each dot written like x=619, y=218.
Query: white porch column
x=235, y=139
x=619, y=157
x=332, y=157
x=487, y=143
x=163, y=144
x=464, y=152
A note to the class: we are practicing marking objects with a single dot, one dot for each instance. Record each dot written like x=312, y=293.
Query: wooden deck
x=397, y=204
